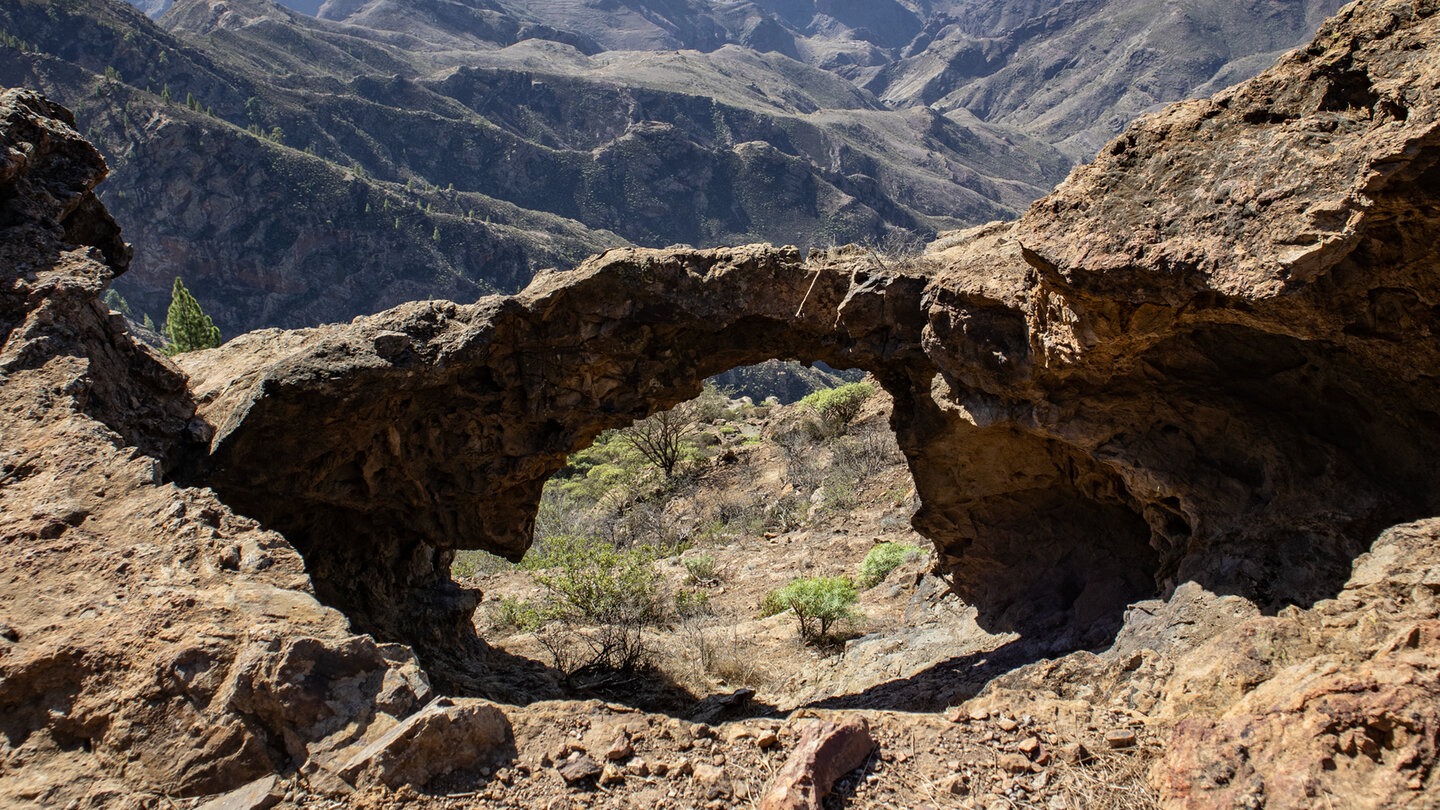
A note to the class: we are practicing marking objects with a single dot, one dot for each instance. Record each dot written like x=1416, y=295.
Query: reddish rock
x=579, y=767
x=1120, y=738
x=620, y=749
x=1013, y=763
x=826, y=751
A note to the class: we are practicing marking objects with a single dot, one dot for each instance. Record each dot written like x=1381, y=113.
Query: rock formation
x=1203, y=370
x=151, y=640
x=1202, y=358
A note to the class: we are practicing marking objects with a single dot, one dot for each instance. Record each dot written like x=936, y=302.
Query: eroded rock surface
x=153, y=640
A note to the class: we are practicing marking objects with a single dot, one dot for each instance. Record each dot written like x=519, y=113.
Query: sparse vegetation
x=662, y=438
x=701, y=569
x=882, y=559
x=596, y=604
x=838, y=407
x=819, y=604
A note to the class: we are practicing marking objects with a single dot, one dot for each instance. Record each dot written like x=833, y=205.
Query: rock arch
x=1208, y=356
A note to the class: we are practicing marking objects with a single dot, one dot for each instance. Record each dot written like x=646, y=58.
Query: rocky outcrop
x=434, y=426
x=151, y=640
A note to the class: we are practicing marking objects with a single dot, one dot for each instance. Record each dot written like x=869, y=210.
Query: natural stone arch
x=434, y=426
x=1208, y=357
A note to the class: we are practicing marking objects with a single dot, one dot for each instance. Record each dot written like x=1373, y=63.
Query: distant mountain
x=1074, y=73
x=299, y=168
x=305, y=170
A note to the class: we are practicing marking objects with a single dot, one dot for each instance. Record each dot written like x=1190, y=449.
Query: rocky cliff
x=1198, y=380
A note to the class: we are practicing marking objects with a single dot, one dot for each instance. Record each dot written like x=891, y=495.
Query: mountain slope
x=375, y=170
x=1076, y=72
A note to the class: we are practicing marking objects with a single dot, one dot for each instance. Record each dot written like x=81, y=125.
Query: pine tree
x=187, y=327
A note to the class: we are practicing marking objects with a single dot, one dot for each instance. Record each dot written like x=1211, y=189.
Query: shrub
x=818, y=603
x=881, y=560
x=702, y=569
x=691, y=603
x=838, y=407
x=867, y=452
x=597, y=601
x=588, y=581
x=517, y=613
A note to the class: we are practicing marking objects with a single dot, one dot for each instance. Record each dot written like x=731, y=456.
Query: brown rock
x=709, y=775
x=1120, y=738
x=262, y=794
x=1013, y=763
x=826, y=751
x=447, y=735
x=620, y=748
x=611, y=774
x=1075, y=753
x=767, y=739
x=1030, y=747
x=578, y=767
x=956, y=785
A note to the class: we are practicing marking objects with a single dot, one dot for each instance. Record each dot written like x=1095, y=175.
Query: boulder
x=447, y=735
x=826, y=751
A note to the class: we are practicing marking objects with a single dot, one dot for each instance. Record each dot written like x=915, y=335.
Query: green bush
x=702, y=569
x=517, y=613
x=691, y=603
x=838, y=407
x=881, y=560
x=818, y=603
x=597, y=602
x=588, y=581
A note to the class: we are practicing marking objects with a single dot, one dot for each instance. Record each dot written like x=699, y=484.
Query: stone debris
x=620, y=749
x=1120, y=738
x=1013, y=763
x=579, y=767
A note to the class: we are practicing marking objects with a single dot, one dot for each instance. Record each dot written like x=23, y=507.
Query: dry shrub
x=709, y=649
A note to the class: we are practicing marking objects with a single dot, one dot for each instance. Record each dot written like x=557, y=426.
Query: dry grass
x=1118, y=780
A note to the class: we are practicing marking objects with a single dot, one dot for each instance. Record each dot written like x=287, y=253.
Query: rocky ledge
x=1199, y=379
